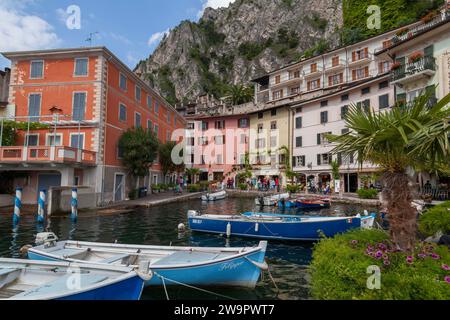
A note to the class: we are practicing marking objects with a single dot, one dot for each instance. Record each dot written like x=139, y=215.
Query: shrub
x=340, y=264
x=436, y=219
x=292, y=188
x=155, y=187
x=164, y=187
x=194, y=188
x=367, y=193
x=243, y=186
x=204, y=185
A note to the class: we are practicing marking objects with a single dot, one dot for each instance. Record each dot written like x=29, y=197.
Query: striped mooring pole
x=74, y=215
x=17, y=205
x=41, y=206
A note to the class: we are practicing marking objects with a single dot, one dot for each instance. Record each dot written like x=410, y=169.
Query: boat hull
x=295, y=230
x=306, y=205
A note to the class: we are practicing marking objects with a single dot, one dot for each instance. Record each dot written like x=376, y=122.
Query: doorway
x=119, y=187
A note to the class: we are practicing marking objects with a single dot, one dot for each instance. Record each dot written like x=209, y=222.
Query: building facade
x=4, y=90
x=76, y=104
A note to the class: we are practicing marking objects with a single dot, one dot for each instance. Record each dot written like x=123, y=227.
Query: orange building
x=84, y=99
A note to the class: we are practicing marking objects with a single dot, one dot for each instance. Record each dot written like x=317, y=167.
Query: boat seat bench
x=186, y=257
x=115, y=258
x=60, y=285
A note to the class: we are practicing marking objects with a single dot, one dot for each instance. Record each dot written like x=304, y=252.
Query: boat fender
x=143, y=270
x=24, y=250
x=181, y=227
x=228, y=229
x=366, y=213
x=257, y=227
x=192, y=213
x=261, y=265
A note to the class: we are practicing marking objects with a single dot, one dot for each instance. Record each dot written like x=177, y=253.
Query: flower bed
x=340, y=269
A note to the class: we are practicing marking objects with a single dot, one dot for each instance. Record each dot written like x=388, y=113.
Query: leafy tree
x=139, y=148
x=11, y=128
x=397, y=140
x=165, y=157
x=192, y=173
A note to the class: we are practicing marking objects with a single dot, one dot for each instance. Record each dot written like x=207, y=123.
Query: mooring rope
x=165, y=288
x=191, y=287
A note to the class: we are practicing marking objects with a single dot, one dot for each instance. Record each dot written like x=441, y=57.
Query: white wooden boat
x=49, y=280
x=170, y=265
x=215, y=196
x=271, y=200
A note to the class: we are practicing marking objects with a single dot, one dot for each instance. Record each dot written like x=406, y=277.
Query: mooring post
x=74, y=215
x=41, y=206
x=17, y=205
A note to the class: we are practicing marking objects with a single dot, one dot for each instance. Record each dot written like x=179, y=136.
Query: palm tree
x=337, y=176
x=398, y=140
x=240, y=94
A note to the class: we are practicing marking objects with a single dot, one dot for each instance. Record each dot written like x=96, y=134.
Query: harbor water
x=158, y=226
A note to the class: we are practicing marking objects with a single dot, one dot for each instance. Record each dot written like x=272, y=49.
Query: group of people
x=322, y=188
x=265, y=184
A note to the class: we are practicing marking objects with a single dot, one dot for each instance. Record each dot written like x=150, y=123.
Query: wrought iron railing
x=408, y=69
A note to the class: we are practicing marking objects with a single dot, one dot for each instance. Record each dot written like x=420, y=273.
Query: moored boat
x=47, y=280
x=271, y=200
x=276, y=226
x=312, y=203
x=200, y=266
x=215, y=196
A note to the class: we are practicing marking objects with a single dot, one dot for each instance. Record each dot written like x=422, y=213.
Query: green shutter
x=401, y=97
x=402, y=60
x=319, y=159
x=319, y=138
x=429, y=51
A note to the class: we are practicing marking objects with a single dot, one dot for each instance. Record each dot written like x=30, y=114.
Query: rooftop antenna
x=91, y=37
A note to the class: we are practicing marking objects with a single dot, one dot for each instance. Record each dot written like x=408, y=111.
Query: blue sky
x=131, y=29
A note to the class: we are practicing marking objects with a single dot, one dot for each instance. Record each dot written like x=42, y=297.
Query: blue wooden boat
x=169, y=265
x=287, y=203
x=276, y=226
x=44, y=280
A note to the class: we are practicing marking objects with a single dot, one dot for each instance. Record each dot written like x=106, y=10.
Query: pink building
x=217, y=145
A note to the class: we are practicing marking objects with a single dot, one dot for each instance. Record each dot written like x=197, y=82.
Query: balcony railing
x=409, y=69
x=43, y=154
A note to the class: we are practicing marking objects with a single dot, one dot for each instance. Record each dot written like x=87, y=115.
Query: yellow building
x=270, y=141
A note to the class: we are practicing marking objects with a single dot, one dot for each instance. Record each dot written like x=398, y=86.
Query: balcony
x=410, y=72
x=361, y=60
x=330, y=67
x=44, y=155
x=308, y=73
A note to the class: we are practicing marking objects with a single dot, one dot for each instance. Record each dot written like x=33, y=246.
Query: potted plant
x=396, y=65
x=416, y=56
x=429, y=16
x=402, y=32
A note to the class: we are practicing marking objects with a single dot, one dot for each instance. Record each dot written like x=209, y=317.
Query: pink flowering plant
x=339, y=268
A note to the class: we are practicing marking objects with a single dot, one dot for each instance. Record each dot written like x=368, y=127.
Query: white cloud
x=22, y=31
x=213, y=4
x=157, y=37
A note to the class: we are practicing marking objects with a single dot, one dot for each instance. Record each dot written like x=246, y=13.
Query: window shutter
x=401, y=60
x=309, y=85
x=319, y=162
x=341, y=78
x=366, y=71
x=366, y=52
x=428, y=51
x=354, y=56
x=339, y=158
x=401, y=97
x=330, y=80
x=354, y=74
x=319, y=138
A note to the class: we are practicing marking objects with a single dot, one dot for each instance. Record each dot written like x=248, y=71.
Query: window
x=294, y=90
x=273, y=125
x=324, y=103
x=219, y=140
x=364, y=104
x=298, y=123
x=344, y=111
x=383, y=101
x=313, y=67
x=34, y=106
x=299, y=142
x=122, y=112
x=77, y=141
x=383, y=67
x=294, y=74
x=190, y=142
x=277, y=79
x=122, y=82
x=156, y=127
x=278, y=94
x=345, y=131
x=273, y=141
x=81, y=67
x=149, y=101
x=119, y=152
x=32, y=140
x=384, y=84
x=219, y=159
x=37, y=70
x=360, y=73
x=190, y=126
x=324, y=159
x=324, y=117
x=149, y=125
x=335, y=61
x=344, y=97
x=360, y=54
x=299, y=161
x=336, y=79
x=313, y=85
x=79, y=106
x=299, y=110
x=260, y=143
x=244, y=139
x=137, y=120
x=273, y=112
x=260, y=115
x=220, y=124
x=203, y=141
x=54, y=140
x=138, y=93
x=260, y=128
x=204, y=125
x=169, y=118
x=156, y=106
x=365, y=90
x=243, y=123
x=321, y=138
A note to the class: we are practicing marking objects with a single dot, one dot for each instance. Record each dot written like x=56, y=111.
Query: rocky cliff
x=233, y=45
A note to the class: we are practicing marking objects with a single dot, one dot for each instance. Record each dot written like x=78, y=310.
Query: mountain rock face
x=236, y=44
